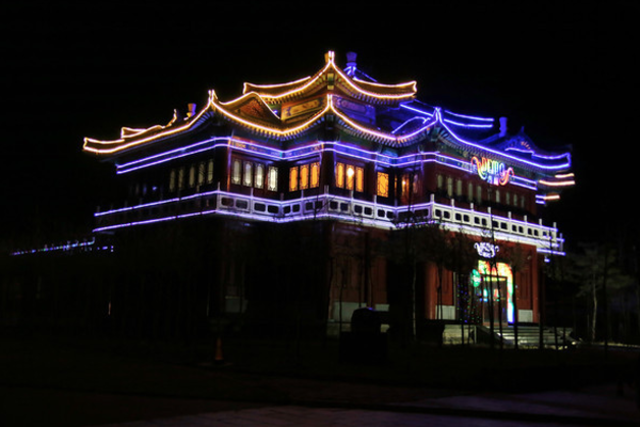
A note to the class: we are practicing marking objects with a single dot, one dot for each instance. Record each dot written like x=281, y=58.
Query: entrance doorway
x=491, y=291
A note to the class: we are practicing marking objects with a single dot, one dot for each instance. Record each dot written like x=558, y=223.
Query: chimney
x=503, y=126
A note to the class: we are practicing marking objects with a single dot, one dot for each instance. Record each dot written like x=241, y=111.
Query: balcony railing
x=334, y=207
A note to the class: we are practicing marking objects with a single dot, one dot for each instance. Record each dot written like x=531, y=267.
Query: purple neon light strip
x=480, y=147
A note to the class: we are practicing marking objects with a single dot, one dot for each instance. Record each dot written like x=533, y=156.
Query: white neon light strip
x=326, y=200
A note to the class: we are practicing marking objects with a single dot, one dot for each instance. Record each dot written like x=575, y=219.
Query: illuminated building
x=345, y=162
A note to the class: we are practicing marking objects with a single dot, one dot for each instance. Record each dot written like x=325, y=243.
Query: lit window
x=340, y=175
x=315, y=175
x=272, y=179
x=293, y=178
x=478, y=194
x=192, y=176
x=259, y=179
x=210, y=172
x=248, y=174
x=350, y=178
x=359, y=179
x=201, y=173
x=383, y=184
x=449, y=186
x=304, y=177
x=236, y=172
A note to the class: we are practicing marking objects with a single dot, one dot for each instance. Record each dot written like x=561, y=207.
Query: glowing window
x=201, y=173
x=248, y=174
x=210, y=172
x=340, y=171
x=315, y=175
x=359, y=179
x=350, y=177
x=192, y=176
x=293, y=178
x=272, y=179
x=236, y=172
x=259, y=178
x=304, y=177
x=383, y=184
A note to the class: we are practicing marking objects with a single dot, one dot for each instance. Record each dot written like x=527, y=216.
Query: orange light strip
x=411, y=86
x=122, y=142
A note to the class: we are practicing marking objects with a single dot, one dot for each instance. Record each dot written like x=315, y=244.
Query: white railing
x=335, y=207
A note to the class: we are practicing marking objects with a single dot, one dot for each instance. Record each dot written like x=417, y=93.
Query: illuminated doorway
x=492, y=292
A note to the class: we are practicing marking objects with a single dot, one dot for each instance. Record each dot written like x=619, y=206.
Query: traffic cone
x=219, y=359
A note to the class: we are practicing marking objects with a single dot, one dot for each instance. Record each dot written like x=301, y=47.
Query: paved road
x=53, y=385
x=593, y=406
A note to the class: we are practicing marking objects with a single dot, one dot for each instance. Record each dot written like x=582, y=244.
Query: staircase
x=528, y=336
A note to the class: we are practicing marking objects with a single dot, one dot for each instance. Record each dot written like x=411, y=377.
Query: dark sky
x=566, y=73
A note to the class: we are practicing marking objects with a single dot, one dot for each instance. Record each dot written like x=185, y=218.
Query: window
x=236, y=172
x=272, y=179
x=383, y=184
x=340, y=175
x=172, y=180
x=181, y=179
x=259, y=178
x=449, y=186
x=349, y=177
x=304, y=177
x=248, y=174
x=359, y=179
x=192, y=176
x=351, y=172
x=201, y=173
x=315, y=175
x=210, y=172
x=293, y=178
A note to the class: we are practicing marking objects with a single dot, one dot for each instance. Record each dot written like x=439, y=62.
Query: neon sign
x=492, y=171
x=486, y=249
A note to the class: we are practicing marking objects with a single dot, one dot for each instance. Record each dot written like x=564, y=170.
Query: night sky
x=567, y=74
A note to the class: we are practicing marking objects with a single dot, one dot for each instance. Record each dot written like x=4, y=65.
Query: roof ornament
x=351, y=64
x=503, y=126
x=329, y=56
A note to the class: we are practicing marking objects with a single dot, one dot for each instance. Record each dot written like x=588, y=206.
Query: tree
x=595, y=271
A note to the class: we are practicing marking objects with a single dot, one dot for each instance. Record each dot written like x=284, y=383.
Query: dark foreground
x=48, y=380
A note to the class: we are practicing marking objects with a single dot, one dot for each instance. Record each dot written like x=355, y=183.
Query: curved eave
x=329, y=109
x=132, y=140
x=546, y=164
x=375, y=93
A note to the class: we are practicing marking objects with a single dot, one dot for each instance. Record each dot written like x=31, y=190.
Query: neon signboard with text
x=492, y=171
